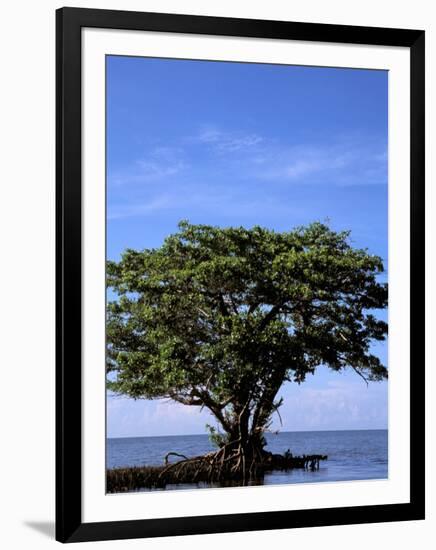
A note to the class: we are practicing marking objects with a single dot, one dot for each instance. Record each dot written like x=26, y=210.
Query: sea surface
x=352, y=455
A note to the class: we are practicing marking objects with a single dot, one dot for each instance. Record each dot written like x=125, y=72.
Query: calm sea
x=352, y=455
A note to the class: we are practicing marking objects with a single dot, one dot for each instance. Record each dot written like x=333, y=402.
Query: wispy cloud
x=157, y=164
x=127, y=417
x=129, y=210
x=193, y=199
x=337, y=164
x=338, y=404
x=227, y=141
x=236, y=172
x=349, y=161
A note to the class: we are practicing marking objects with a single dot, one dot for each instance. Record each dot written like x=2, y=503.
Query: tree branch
x=270, y=315
x=356, y=370
x=185, y=400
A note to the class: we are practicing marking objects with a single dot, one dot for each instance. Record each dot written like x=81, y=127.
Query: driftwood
x=228, y=465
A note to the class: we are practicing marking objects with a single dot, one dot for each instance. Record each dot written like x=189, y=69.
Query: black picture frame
x=69, y=525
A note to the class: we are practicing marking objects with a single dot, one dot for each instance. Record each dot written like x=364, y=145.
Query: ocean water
x=352, y=455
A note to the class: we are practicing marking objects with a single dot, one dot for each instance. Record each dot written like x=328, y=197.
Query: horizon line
x=279, y=432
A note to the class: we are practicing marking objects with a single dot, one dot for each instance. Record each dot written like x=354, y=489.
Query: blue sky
x=245, y=144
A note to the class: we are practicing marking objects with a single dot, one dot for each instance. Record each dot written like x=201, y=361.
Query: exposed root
x=231, y=463
x=172, y=453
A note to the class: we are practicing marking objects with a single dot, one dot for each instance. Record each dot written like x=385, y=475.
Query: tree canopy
x=221, y=317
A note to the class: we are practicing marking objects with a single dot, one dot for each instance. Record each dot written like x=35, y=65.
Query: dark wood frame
x=69, y=526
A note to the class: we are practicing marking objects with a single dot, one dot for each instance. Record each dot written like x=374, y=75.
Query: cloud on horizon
x=326, y=402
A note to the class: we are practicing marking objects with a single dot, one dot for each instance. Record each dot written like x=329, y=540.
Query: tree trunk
x=244, y=450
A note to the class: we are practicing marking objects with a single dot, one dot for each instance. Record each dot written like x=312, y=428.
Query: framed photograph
x=240, y=274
